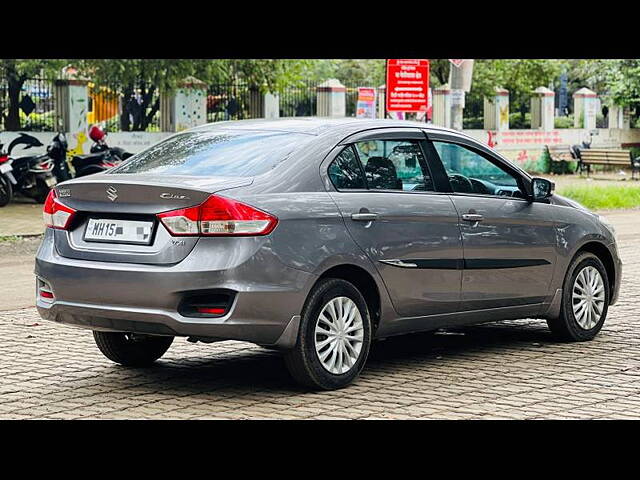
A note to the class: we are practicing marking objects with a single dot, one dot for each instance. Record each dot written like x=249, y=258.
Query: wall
x=523, y=145
x=80, y=143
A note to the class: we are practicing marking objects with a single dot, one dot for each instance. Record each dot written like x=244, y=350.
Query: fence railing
x=36, y=105
x=119, y=107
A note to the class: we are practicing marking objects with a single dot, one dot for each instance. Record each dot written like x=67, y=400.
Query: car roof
x=317, y=125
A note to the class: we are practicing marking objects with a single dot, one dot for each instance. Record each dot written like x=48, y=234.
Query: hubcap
x=339, y=335
x=588, y=297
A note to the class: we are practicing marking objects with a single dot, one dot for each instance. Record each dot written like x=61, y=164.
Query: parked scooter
x=101, y=158
x=32, y=176
x=57, y=151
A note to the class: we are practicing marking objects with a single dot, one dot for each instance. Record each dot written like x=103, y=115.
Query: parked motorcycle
x=101, y=158
x=32, y=176
x=57, y=151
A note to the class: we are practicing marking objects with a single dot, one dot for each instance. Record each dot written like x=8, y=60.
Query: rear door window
x=394, y=165
x=345, y=171
x=207, y=153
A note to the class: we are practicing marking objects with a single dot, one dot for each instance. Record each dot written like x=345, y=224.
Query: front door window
x=470, y=172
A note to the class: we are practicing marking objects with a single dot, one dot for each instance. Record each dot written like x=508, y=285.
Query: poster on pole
x=407, y=85
x=366, y=105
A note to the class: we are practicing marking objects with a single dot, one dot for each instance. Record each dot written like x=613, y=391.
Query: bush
x=563, y=122
x=544, y=162
x=517, y=123
x=473, y=123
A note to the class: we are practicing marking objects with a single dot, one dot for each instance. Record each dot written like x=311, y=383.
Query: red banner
x=407, y=85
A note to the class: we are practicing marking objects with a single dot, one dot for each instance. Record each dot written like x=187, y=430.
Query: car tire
x=132, y=350
x=330, y=307
x=575, y=323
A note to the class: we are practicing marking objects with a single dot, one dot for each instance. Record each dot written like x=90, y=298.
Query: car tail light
x=211, y=311
x=219, y=216
x=206, y=305
x=44, y=290
x=55, y=214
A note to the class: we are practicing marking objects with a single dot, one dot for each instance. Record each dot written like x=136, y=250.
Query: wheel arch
x=601, y=251
x=363, y=281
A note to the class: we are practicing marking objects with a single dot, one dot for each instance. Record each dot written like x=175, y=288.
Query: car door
x=383, y=187
x=508, y=240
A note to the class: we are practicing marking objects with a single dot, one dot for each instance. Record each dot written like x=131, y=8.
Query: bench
x=606, y=157
x=560, y=156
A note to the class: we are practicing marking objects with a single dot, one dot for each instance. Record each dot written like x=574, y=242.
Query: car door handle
x=364, y=217
x=472, y=217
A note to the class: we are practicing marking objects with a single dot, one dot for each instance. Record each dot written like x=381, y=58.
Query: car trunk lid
x=126, y=206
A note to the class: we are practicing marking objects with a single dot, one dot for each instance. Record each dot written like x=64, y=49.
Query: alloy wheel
x=588, y=297
x=339, y=335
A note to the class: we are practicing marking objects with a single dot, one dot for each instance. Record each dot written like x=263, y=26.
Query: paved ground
x=21, y=217
x=506, y=370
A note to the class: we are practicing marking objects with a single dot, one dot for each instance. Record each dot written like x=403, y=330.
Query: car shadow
x=238, y=371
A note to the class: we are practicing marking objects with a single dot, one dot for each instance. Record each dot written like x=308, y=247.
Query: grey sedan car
x=317, y=237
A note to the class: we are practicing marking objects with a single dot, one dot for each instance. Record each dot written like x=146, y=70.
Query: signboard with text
x=407, y=85
x=366, y=105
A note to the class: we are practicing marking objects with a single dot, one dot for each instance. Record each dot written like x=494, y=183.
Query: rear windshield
x=219, y=153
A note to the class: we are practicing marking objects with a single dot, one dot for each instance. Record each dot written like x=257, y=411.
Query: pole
x=455, y=82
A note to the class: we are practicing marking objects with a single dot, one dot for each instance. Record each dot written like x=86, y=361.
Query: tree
x=520, y=77
x=16, y=73
x=143, y=78
x=623, y=81
x=140, y=80
x=439, y=71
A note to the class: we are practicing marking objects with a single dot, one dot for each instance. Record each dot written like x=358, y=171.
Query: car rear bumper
x=144, y=298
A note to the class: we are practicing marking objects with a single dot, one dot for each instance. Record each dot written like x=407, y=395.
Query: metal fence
x=299, y=101
x=36, y=105
x=228, y=102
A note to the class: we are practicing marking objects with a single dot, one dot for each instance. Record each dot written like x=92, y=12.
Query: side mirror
x=541, y=188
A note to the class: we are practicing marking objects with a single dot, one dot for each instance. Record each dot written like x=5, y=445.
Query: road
x=501, y=370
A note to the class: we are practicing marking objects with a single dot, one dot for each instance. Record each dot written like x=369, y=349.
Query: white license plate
x=50, y=181
x=5, y=168
x=118, y=231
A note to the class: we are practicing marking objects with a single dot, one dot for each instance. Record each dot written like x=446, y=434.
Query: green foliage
x=563, y=122
x=517, y=122
x=41, y=122
x=603, y=197
x=473, y=123
x=351, y=72
x=544, y=162
x=520, y=77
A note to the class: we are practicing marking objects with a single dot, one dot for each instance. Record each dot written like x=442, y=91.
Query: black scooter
x=101, y=158
x=32, y=176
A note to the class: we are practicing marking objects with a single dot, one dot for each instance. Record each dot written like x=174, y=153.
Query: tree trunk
x=14, y=85
x=125, y=122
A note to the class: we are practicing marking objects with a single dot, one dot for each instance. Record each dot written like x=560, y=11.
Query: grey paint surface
x=138, y=288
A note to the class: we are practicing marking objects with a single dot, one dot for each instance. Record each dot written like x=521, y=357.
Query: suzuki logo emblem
x=112, y=194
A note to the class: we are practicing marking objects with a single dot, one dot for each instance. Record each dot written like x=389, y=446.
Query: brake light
x=219, y=216
x=55, y=214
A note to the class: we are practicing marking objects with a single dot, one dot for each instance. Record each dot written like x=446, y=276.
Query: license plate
x=118, y=231
x=5, y=168
x=50, y=181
